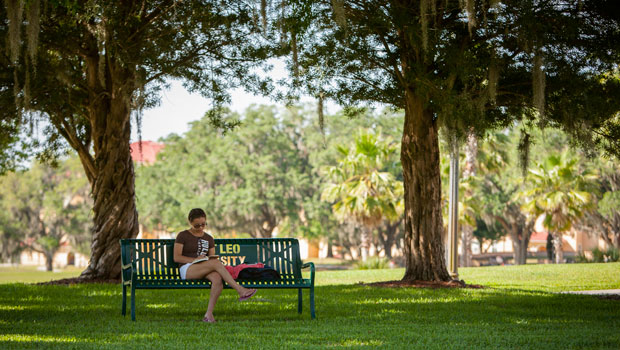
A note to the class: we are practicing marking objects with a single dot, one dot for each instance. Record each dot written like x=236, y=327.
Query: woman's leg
x=203, y=269
x=216, y=290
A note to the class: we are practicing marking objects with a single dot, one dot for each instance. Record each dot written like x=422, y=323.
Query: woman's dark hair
x=195, y=214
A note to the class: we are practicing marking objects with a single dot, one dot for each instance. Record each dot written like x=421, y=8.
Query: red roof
x=538, y=237
x=149, y=151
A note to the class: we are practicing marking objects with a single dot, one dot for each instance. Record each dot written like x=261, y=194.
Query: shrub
x=582, y=258
x=373, y=263
x=610, y=255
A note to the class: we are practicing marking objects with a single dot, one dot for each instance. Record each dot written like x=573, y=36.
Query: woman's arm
x=179, y=258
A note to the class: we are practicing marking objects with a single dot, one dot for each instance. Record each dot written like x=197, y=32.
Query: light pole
x=453, y=216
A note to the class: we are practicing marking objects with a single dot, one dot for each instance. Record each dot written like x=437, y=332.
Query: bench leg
x=124, y=307
x=133, y=302
x=312, y=313
x=299, y=300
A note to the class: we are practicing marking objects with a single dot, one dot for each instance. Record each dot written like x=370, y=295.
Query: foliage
x=468, y=67
x=361, y=187
x=609, y=204
x=43, y=208
x=247, y=180
x=486, y=233
x=560, y=191
x=93, y=65
x=604, y=219
x=610, y=255
x=285, y=145
x=89, y=46
x=478, y=66
x=373, y=263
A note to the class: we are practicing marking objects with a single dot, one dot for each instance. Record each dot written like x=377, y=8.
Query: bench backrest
x=154, y=257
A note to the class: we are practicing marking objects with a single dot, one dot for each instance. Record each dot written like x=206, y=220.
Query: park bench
x=149, y=264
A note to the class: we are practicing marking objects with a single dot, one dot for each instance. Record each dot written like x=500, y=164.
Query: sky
x=178, y=108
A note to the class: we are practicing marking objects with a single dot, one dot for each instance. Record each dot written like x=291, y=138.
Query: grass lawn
x=30, y=274
x=520, y=309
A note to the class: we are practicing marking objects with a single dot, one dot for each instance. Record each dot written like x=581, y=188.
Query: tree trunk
x=467, y=234
x=557, y=247
x=266, y=223
x=113, y=193
x=49, y=261
x=391, y=230
x=520, y=235
x=388, y=242
x=424, y=251
x=330, y=248
x=365, y=246
x=519, y=247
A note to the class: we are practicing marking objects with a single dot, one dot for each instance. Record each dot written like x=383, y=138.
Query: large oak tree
x=467, y=66
x=81, y=69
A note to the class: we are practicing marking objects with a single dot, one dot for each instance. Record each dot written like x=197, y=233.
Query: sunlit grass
x=520, y=309
x=31, y=274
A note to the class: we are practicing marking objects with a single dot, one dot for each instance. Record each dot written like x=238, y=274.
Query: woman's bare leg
x=203, y=269
x=216, y=290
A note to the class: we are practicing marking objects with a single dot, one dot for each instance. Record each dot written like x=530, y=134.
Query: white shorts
x=183, y=270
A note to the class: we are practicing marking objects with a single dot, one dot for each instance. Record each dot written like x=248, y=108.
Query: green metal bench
x=149, y=264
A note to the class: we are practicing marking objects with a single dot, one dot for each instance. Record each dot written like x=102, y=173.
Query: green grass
x=30, y=274
x=520, y=310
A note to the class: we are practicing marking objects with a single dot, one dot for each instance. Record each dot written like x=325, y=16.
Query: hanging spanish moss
x=16, y=91
x=525, y=143
x=263, y=14
x=139, y=101
x=471, y=15
x=538, y=83
x=339, y=13
x=469, y=7
x=100, y=34
x=320, y=111
x=283, y=30
x=15, y=12
x=424, y=4
x=295, y=57
x=27, y=89
x=493, y=79
x=33, y=16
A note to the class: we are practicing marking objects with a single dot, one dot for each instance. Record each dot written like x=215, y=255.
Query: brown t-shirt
x=193, y=246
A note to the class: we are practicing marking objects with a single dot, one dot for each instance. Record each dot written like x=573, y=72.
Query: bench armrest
x=127, y=272
x=311, y=266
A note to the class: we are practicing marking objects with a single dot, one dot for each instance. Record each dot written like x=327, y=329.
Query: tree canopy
x=468, y=66
x=81, y=70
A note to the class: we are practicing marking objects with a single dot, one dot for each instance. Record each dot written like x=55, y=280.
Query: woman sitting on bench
x=193, y=245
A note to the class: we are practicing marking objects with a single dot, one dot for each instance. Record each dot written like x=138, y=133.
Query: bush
x=373, y=263
x=582, y=258
x=610, y=255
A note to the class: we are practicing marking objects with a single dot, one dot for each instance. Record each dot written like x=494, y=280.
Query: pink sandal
x=248, y=296
x=205, y=319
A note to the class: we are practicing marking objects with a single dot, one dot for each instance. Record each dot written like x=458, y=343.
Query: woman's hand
x=200, y=257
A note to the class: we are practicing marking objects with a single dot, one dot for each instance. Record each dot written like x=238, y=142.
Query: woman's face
x=198, y=224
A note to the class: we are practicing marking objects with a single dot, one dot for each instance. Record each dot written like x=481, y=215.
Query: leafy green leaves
x=360, y=185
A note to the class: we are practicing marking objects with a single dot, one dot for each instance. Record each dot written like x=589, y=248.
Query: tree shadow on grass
x=349, y=316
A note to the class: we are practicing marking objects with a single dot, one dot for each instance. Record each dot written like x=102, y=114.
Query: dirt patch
x=77, y=280
x=423, y=284
x=609, y=297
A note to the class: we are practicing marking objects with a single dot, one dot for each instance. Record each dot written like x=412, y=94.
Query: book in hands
x=205, y=258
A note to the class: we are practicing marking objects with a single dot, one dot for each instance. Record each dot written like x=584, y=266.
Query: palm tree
x=559, y=190
x=361, y=189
